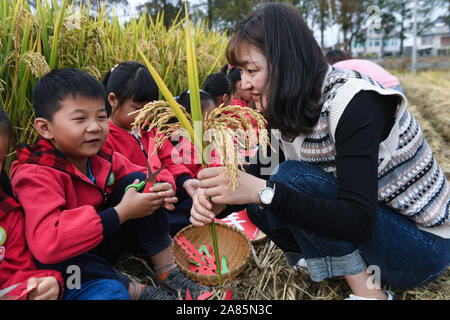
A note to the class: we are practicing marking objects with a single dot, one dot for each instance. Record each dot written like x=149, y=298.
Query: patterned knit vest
x=410, y=180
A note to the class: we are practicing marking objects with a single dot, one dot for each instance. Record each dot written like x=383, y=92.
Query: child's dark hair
x=337, y=55
x=6, y=129
x=217, y=84
x=206, y=100
x=233, y=74
x=60, y=84
x=296, y=65
x=131, y=80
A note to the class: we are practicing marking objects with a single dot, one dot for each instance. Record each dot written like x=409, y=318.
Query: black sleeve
x=366, y=122
x=260, y=166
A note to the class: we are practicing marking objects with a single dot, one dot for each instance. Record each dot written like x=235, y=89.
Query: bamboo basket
x=232, y=242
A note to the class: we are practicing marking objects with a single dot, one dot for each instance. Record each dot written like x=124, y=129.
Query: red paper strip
x=205, y=296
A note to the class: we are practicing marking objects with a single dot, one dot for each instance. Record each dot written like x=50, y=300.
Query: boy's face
x=80, y=128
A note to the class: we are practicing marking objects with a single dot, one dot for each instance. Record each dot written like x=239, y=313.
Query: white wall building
x=374, y=45
x=435, y=41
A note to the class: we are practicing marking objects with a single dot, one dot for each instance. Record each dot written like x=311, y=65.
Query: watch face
x=266, y=196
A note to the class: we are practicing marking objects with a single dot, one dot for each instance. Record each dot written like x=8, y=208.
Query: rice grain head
x=36, y=62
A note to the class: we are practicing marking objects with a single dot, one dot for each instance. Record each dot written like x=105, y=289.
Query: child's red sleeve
x=171, y=159
x=17, y=264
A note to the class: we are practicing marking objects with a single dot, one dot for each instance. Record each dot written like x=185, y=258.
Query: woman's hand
x=217, y=186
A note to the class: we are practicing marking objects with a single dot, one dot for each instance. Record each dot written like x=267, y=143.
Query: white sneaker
x=389, y=294
x=301, y=265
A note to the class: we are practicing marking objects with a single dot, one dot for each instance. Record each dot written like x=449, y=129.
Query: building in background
x=375, y=45
x=435, y=41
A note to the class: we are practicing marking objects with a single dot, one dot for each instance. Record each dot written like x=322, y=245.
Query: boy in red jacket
x=78, y=218
x=17, y=269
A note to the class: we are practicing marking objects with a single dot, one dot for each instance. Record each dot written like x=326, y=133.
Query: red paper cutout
x=191, y=251
x=241, y=221
x=188, y=295
x=147, y=187
x=203, y=263
x=228, y=295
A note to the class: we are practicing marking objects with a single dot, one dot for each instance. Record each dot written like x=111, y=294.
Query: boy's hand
x=47, y=288
x=165, y=191
x=136, y=205
x=191, y=186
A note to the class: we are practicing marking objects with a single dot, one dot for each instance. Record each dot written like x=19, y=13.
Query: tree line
x=392, y=18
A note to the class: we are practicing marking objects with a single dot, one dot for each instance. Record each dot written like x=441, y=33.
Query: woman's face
x=254, y=74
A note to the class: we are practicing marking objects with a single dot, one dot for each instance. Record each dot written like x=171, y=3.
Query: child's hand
x=165, y=191
x=203, y=211
x=191, y=186
x=47, y=288
x=136, y=205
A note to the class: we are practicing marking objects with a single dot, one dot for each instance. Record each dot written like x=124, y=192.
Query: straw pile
x=268, y=276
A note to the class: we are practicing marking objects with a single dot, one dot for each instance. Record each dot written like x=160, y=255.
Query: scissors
x=5, y=291
x=150, y=179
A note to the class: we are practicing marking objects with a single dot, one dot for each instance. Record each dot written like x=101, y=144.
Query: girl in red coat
x=129, y=86
x=16, y=262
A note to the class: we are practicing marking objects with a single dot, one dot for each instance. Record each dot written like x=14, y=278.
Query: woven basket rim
x=214, y=279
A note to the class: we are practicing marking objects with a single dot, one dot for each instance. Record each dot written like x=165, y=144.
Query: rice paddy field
x=32, y=42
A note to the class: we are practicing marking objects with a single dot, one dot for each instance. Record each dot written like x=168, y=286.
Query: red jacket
x=16, y=261
x=187, y=154
x=64, y=214
x=119, y=140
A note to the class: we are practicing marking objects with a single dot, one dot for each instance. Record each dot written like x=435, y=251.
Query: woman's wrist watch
x=266, y=194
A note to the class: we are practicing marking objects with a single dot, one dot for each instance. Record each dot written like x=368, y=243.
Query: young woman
x=360, y=189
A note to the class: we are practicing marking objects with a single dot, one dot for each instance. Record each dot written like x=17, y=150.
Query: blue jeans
x=101, y=289
x=407, y=257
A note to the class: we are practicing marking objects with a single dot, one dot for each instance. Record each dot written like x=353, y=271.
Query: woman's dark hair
x=130, y=80
x=206, y=100
x=336, y=55
x=295, y=62
x=6, y=129
x=217, y=84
